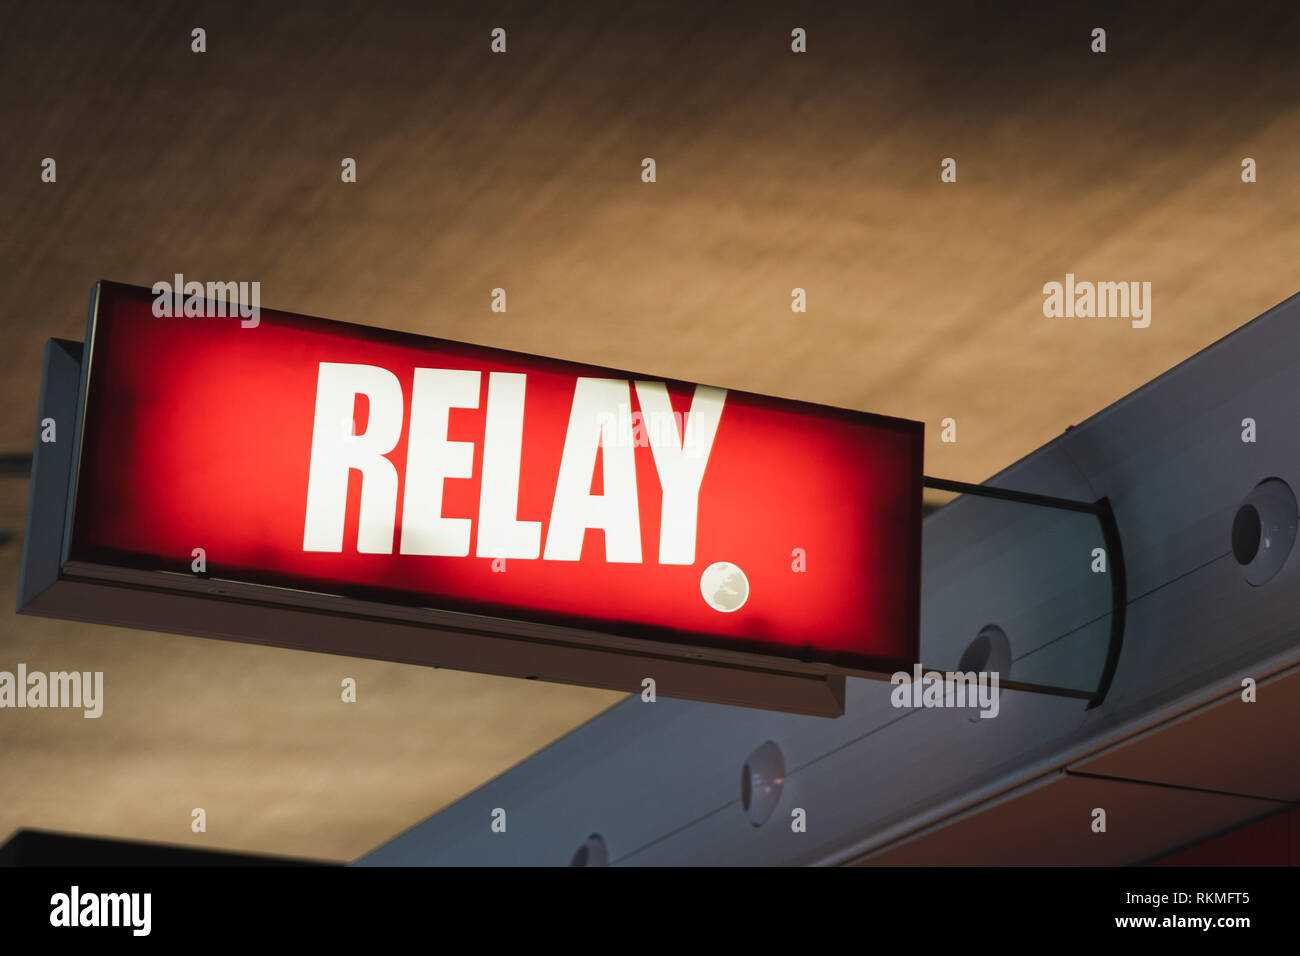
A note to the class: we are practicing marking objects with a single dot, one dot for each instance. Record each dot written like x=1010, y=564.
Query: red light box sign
x=317, y=462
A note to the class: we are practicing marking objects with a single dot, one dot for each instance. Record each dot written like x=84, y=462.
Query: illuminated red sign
x=305, y=456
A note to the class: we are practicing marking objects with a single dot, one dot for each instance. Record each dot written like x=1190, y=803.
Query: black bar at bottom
x=322, y=906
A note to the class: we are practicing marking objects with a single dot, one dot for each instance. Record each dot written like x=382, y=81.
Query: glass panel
x=1039, y=575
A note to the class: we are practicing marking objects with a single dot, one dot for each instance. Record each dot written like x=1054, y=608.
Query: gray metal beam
x=660, y=782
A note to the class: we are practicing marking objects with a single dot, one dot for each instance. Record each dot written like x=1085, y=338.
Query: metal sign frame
x=54, y=584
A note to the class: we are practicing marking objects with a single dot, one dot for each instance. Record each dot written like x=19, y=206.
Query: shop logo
x=599, y=429
x=724, y=586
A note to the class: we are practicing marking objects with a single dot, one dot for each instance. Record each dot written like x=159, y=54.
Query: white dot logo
x=724, y=586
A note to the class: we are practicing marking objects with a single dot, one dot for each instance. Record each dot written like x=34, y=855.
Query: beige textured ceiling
x=522, y=171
